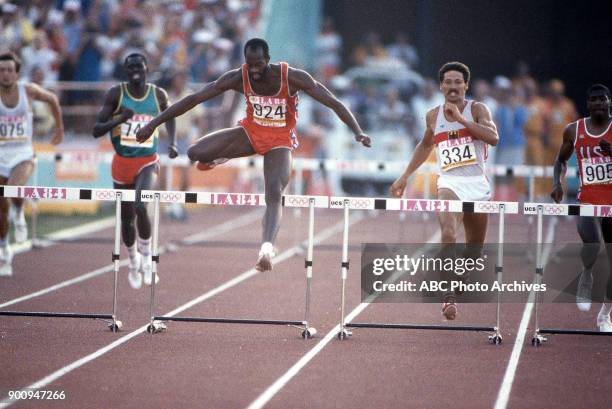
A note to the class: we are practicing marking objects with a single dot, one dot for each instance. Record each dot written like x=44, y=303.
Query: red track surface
x=229, y=366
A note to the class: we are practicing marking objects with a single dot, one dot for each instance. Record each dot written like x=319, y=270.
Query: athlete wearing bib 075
x=461, y=158
x=459, y=130
x=270, y=121
x=591, y=138
x=16, y=152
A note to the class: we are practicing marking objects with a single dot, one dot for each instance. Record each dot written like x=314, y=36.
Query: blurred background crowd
x=76, y=47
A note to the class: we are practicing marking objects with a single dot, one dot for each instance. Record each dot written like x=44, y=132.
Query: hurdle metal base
x=113, y=324
x=307, y=331
x=574, y=332
x=495, y=338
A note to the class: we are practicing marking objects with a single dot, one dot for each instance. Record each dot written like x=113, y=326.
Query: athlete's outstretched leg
x=277, y=170
x=128, y=234
x=448, y=231
x=224, y=144
x=588, y=229
x=19, y=177
x=145, y=181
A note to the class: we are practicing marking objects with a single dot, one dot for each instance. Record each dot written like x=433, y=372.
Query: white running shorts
x=467, y=188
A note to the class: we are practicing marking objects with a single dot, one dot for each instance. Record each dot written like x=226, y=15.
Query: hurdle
x=553, y=209
x=421, y=205
x=157, y=323
x=62, y=193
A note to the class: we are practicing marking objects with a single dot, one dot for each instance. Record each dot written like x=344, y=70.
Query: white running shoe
x=264, y=263
x=6, y=261
x=583, y=292
x=604, y=324
x=147, y=270
x=134, y=276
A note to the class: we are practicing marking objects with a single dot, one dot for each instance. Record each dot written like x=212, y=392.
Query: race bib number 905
x=130, y=128
x=597, y=171
x=456, y=152
x=270, y=112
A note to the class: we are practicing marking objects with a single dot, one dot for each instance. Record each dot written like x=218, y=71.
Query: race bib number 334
x=454, y=153
x=597, y=171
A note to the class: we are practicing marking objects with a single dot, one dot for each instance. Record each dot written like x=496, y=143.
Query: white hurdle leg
x=116, y=325
x=496, y=338
x=34, y=204
x=298, y=186
x=344, y=333
x=309, y=331
x=537, y=338
x=155, y=326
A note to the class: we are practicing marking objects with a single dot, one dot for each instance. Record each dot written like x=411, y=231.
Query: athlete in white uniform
x=460, y=130
x=16, y=152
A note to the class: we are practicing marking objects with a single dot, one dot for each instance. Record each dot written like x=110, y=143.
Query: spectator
x=328, y=45
x=402, y=50
x=559, y=112
x=392, y=113
x=15, y=30
x=38, y=54
x=534, y=135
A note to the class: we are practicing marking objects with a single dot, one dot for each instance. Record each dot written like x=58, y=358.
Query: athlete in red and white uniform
x=591, y=138
x=460, y=130
x=268, y=128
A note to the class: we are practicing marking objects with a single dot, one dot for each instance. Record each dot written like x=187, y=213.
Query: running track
x=235, y=366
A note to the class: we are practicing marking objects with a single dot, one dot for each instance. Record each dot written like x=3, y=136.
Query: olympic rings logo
x=360, y=203
x=554, y=210
x=297, y=201
x=105, y=195
x=489, y=207
x=172, y=197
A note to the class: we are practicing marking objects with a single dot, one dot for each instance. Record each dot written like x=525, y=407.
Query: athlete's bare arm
x=560, y=167
x=37, y=93
x=105, y=122
x=231, y=80
x=300, y=80
x=420, y=154
x=162, y=98
x=481, y=128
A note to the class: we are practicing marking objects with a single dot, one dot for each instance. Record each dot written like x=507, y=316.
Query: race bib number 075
x=597, y=171
x=454, y=153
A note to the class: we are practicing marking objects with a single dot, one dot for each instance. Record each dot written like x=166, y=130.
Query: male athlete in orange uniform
x=591, y=138
x=271, y=94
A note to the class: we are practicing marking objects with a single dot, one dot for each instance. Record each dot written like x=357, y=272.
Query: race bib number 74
x=597, y=171
x=454, y=153
x=130, y=128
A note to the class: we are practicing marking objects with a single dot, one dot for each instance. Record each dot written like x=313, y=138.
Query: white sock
x=144, y=246
x=131, y=250
x=19, y=215
x=266, y=248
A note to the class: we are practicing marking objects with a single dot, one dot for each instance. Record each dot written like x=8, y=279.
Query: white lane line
x=273, y=389
x=503, y=395
x=208, y=234
x=324, y=235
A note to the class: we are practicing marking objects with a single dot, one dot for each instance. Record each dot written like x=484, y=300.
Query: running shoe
x=583, y=292
x=604, y=324
x=204, y=166
x=264, y=263
x=134, y=276
x=449, y=308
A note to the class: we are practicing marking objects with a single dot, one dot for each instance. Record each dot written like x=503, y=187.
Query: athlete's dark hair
x=135, y=55
x=255, y=43
x=598, y=87
x=10, y=56
x=454, y=66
